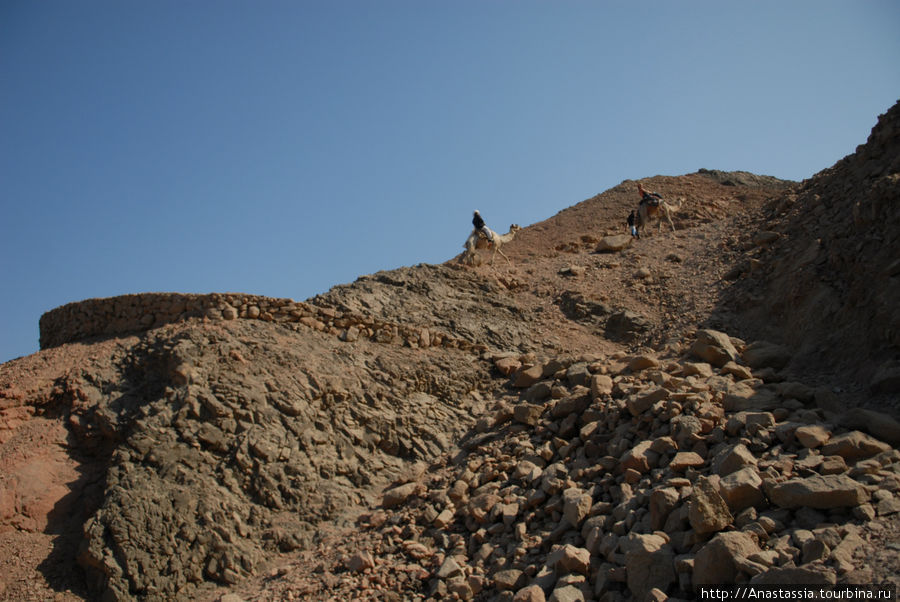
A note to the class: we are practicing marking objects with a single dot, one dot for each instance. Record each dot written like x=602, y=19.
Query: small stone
x=576, y=506
x=396, y=496
x=642, y=362
x=571, y=559
x=736, y=370
x=814, y=550
x=567, y=593
x=812, y=436
x=833, y=465
x=649, y=563
x=601, y=385
x=613, y=243
x=684, y=460
x=640, y=458
x=507, y=366
x=531, y=593
x=510, y=579
x=641, y=402
x=360, y=562
x=864, y=512
x=449, y=568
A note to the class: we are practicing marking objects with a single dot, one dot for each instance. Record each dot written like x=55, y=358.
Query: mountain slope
x=187, y=444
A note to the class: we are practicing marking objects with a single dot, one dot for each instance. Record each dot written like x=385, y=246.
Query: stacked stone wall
x=130, y=314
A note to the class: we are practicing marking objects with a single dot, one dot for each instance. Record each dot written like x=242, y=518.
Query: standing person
x=478, y=222
x=631, y=227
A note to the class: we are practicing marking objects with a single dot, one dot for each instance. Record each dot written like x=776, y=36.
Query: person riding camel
x=478, y=222
x=648, y=197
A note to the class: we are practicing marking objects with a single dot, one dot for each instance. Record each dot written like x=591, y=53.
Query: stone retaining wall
x=128, y=314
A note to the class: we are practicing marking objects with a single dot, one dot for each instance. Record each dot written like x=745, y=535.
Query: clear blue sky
x=282, y=147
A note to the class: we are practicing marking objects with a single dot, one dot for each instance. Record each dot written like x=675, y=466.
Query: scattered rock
x=397, y=495
x=717, y=561
x=812, y=436
x=817, y=491
x=714, y=347
x=649, y=563
x=854, y=446
x=614, y=243
x=708, y=512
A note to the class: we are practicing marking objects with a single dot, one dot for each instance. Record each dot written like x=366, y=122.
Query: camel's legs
x=668, y=215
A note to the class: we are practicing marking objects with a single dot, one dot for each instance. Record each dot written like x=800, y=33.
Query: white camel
x=477, y=240
x=647, y=212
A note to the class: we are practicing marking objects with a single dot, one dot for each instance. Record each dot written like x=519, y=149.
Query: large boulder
x=742, y=489
x=708, y=512
x=649, y=563
x=854, y=446
x=717, y=561
x=570, y=559
x=714, y=347
x=732, y=459
x=614, y=243
x=742, y=397
x=817, y=491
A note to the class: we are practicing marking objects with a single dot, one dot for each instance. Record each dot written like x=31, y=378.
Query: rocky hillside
x=599, y=418
x=827, y=278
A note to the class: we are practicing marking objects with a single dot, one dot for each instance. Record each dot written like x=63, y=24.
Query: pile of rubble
x=642, y=476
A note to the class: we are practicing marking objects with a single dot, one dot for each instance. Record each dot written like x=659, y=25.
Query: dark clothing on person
x=477, y=221
x=651, y=198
